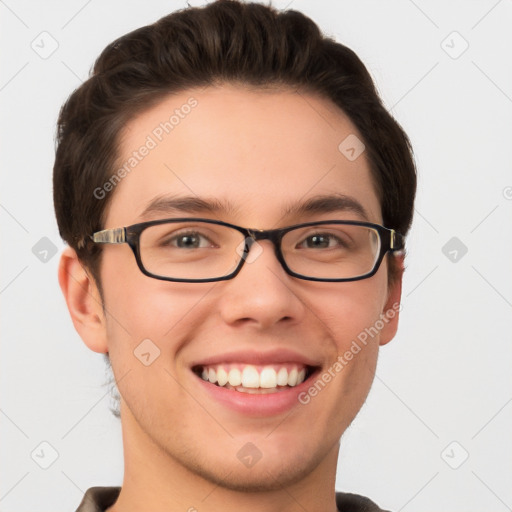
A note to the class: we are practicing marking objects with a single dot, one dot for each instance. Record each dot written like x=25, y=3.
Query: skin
x=261, y=150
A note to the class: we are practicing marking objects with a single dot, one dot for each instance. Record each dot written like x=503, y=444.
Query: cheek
x=351, y=311
x=352, y=347
x=138, y=307
x=157, y=311
x=148, y=323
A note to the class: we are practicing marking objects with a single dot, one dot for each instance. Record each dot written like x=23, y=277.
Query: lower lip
x=267, y=404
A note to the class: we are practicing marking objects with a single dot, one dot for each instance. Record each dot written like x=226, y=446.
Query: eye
x=322, y=241
x=189, y=240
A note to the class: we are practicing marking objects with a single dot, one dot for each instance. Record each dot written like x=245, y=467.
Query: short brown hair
x=225, y=41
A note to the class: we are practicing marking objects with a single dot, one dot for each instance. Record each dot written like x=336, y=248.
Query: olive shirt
x=98, y=499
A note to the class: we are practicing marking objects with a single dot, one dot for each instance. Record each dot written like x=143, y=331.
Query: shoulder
x=98, y=499
x=347, y=502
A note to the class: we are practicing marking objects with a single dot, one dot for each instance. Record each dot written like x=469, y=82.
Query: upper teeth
x=250, y=376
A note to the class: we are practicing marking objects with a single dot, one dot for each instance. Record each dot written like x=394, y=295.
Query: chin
x=264, y=476
x=255, y=481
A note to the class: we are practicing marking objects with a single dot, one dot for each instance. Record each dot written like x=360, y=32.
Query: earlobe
x=392, y=307
x=83, y=300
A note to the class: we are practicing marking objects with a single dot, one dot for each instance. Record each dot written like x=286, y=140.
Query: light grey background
x=443, y=387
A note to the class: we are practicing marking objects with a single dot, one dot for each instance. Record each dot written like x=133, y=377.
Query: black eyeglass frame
x=390, y=240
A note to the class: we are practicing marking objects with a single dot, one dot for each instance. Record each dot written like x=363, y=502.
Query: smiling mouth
x=255, y=379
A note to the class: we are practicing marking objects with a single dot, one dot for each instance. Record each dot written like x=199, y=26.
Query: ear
x=392, y=307
x=83, y=300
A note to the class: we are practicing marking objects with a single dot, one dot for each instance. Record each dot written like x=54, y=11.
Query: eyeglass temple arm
x=396, y=242
x=110, y=236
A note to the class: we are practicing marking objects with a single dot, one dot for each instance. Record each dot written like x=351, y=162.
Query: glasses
x=193, y=250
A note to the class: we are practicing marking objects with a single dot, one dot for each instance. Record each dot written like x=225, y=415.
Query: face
x=258, y=155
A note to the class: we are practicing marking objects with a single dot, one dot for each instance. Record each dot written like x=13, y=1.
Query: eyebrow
x=328, y=204
x=187, y=204
x=193, y=205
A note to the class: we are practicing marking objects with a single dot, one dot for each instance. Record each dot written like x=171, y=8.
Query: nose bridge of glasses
x=264, y=234
x=256, y=235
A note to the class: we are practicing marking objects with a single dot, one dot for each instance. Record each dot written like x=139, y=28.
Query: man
x=235, y=199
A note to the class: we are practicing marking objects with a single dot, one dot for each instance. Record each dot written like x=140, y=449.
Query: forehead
x=256, y=152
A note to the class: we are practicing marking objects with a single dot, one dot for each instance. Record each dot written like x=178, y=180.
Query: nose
x=262, y=294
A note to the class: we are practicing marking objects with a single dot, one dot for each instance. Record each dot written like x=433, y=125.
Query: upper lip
x=252, y=356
